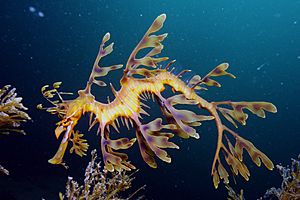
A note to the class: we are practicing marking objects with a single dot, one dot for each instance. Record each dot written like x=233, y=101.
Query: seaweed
x=232, y=195
x=99, y=184
x=290, y=186
x=12, y=114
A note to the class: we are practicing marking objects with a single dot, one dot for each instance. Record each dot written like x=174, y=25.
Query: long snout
x=58, y=157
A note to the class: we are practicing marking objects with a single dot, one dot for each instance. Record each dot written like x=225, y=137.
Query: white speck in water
x=260, y=67
x=31, y=9
x=141, y=15
x=41, y=14
x=298, y=57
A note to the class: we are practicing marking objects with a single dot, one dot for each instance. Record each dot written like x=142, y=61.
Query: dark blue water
x=59, y=41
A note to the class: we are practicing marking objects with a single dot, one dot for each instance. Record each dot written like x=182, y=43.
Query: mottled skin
x=127, y=106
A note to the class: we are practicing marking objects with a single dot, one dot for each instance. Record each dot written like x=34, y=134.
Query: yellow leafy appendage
x=144, y=77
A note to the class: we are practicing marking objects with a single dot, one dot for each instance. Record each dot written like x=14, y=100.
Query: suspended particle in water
x=35, y=11
x=41, y=14
x=31, y=9
x=261, y=66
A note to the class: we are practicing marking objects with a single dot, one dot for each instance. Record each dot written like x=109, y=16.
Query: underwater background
x=46, y=41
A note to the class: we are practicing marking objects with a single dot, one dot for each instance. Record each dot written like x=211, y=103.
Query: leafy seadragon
x=144, y=77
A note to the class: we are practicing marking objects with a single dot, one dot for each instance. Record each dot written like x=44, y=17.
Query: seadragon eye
x=62, y=107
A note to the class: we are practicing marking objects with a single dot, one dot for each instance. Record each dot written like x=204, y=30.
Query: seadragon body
x=143, y=78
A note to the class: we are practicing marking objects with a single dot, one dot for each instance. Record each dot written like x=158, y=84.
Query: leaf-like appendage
x=103, y=71
x=56, y=85
x=80, y=146
x=230, y=115
x=256, y=155
x=195, y=83
x=145, y=72
x=170, y=119
x=157, y=24
x=54, y=96
x=234, y=157
x=122, y=143
x=181, y=99
x=216, y=179
x=223, y=173
x=257, y=108
x=148, y=41
x=220, y=70
x=183, y=119
x=115, y=160
x=194, y=80
x=237, y=166
x=99, y=71
x=146, y=152
x=49, y=93
x=105, y=38
x=157, y=141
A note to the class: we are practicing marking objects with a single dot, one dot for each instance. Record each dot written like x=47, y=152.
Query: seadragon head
x=69, y=112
